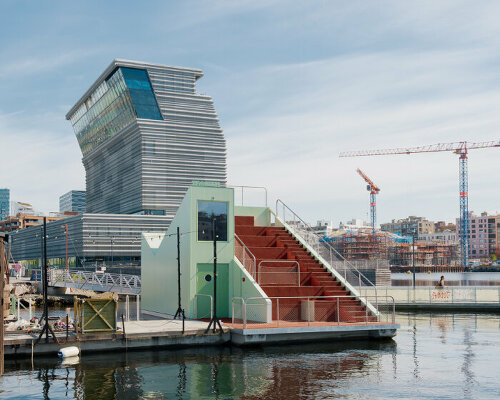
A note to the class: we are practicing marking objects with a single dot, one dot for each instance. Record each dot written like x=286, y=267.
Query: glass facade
x=4, y=203
x=74, y=200
x=124, y=96
x=207, y=212
x=139, y=87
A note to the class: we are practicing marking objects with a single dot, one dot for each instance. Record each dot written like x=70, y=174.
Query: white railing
x=279, y=278
x=299, y=311
x=107, y=282
x=352, y=275
x=195, y=314
x=247, y=259
x=447, y=295
x=248, y=188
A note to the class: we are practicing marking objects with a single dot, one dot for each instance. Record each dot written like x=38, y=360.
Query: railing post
x=278, y=311
x=308, y=312
x=127, y=304
x=338, y=310
x=232, y=311
x=138, y=307
x=475, y=294
x=244, y=314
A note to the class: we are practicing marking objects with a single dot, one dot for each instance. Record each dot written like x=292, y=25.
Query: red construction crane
x=460, y=148
x=373, y=189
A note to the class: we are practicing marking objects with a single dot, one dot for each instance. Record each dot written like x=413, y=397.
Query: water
x=451, y=279
x=434, y=356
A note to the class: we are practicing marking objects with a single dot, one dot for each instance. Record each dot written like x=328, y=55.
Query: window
x=141, y=93
x=208, y=211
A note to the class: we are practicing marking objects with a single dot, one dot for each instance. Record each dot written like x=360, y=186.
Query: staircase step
x=244, y=220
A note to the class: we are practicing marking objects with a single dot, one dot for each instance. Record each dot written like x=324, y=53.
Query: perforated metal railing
x=281, y=312
x=103, y=282
x=316, y=242
x=288, y=272
x=245, y=256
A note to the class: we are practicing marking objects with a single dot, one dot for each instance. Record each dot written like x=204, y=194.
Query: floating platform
x=294, y=333
x=154, y=334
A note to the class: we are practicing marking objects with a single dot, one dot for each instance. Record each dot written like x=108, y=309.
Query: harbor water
x=434, y=356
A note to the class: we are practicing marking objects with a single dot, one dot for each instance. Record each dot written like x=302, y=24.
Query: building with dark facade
x=145, y=136
x=4, y=204
x=73, y=201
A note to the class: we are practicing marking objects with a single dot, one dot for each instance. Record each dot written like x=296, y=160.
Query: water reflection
x=436, y=355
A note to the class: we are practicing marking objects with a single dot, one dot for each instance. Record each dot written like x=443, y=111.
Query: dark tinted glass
x=142, y=96
x=207, y=212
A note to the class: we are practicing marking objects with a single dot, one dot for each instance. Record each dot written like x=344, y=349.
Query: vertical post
x=3, y=270
x=66, y=231
x=278, y=311
x=127, y=311
x=138, y=307
x=308, y=313
x=179, y=308
x=45, y=279
x=338, y=311
x=244, y=313
x=30, y=314
x=413, y=262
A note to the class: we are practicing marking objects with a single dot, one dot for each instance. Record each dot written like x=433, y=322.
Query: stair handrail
x=243, y=187
x=254, y=273
x=326, y=244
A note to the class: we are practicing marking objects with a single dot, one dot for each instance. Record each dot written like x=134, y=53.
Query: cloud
x=43, y=158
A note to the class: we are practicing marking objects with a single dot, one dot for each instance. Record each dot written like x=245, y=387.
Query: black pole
x=215, y=321
x=413, y=258
x=179, y=311
x=45, y=284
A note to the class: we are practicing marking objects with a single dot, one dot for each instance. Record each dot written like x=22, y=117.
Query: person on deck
x=440, y=284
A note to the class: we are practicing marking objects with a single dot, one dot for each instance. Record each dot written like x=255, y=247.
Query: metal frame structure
x=460, y=148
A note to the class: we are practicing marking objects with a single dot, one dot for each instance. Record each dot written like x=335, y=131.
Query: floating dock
x=154, y=334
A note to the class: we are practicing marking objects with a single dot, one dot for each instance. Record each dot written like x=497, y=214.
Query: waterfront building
x=494, y=236
x=23, y=221
x=4, y=203
x=145, y=136
x=73, y=201
x=444, y=236
x=478, y=235
x=19, y=207
x=410, y=226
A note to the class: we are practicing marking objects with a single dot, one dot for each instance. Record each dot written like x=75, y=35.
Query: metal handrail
x=250, y=253
x=211, y=304
x=243, y=187
x=277, y=261
x=309, y=298
x=243, y=310
x=360, y=274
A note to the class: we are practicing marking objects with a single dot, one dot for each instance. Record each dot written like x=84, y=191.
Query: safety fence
x=445, y=295
x=104, y=282
x=325, y=250
x=276, y=312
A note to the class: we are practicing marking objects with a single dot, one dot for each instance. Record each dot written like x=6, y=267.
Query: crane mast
x=460, y=148
x=373, y=189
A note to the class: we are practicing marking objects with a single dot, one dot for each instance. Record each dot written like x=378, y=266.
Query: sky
x=294, y=84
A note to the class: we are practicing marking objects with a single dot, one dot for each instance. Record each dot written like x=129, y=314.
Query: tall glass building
x=74, y=201
x=4, y=203
x=145, y=135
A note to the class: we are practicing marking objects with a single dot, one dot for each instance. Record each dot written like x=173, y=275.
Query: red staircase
x=276, y=246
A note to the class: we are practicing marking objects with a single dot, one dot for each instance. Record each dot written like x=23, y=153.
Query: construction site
x=428, y=255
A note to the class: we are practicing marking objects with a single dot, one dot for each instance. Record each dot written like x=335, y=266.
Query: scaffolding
x=365, y=246
x=428, y=254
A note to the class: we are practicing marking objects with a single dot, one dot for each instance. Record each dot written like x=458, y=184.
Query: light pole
x=413, y=258
x=65, y=227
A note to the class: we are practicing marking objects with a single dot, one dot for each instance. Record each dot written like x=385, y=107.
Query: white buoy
x=68, y=352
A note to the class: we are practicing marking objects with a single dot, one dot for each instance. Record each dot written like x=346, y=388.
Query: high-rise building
x=74, y=201
x=4, y=203
x=145, y=135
